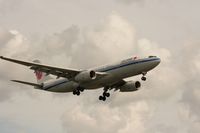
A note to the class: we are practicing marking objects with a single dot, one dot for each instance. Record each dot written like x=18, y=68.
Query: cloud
x=13, y=44
x=5, y=36
x=98, y=118
x=168, y=100
x=124, y=112
x=131, y=1
x=167, y=84
x=99, y=46
x=9, y=5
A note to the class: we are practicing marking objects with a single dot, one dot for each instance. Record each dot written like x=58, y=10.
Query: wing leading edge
x=57, y=71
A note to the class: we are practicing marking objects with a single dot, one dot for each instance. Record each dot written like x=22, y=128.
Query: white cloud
x=152, y=109
x=102, y=118
x=113, y=34
x=16, y=44
x=9, y=5
x=131, y=1
x=147, y=47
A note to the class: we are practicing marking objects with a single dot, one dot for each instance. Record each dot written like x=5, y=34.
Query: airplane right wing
x=117, y=84
x=57, y=71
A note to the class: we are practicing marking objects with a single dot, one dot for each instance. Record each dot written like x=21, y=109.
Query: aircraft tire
x=78, y=93
x=100, y=97
x=104, y=99
x=107, y=94
x=74, y=92
x=144, y=78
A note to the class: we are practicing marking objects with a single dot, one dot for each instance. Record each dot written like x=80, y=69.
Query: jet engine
x=130, y=86
x=85, y=76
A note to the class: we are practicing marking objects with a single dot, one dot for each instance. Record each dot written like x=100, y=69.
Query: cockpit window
x=151, y=56
x=129, y=59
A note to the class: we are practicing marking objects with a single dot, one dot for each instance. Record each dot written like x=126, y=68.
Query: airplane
x=76, y=81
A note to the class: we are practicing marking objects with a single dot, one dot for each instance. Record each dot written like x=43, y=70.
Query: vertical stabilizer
x=41, y=76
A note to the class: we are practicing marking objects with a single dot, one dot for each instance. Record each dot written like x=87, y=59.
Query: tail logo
x=38, y=75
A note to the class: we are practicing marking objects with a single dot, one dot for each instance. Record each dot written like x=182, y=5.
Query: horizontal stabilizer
x=28, y=83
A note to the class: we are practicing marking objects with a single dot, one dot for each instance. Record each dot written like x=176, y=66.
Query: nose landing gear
x=143, y=76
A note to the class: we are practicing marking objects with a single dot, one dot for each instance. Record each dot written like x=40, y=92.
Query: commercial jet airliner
x=107, y=77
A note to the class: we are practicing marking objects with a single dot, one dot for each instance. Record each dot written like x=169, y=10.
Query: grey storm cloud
x=167, y=102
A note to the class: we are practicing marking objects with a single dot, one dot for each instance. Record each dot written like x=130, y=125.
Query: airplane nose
x=158, y=61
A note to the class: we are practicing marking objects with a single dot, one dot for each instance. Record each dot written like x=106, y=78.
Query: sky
x=85, y=34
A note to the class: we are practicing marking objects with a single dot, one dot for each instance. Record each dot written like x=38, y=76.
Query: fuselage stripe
x=129, y=63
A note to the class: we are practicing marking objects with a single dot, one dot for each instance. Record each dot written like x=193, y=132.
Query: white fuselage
x=115, y=72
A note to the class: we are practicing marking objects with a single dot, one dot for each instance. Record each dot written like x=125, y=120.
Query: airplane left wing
x=117, y=84
x=57, y=71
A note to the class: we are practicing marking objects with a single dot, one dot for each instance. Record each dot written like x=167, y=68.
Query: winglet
x=1, y=57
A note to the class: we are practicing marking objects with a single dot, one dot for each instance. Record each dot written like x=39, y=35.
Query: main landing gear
x=78, y=91
x=143, y=76
x=105, y=94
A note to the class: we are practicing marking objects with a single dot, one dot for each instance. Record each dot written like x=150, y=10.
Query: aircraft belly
x=65, y=87
x=113, y=76
x=105, y=81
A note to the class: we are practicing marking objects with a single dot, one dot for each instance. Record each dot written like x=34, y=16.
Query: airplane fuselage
x=115, y=72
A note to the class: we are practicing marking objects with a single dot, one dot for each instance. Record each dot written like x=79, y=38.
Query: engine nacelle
x=130, y=86
x=85, y=76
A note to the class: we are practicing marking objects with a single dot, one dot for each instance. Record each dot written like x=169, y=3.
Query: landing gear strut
x=78, y=91
x=143, y=76
x=105, y=94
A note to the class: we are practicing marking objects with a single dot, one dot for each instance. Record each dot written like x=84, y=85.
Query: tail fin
x=41, y=76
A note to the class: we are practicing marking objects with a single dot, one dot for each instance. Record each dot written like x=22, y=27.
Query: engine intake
x=130, y=86
x=85, y=76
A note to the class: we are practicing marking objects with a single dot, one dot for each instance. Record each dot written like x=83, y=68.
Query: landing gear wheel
x=106, y=94
x=100, y=97
x=78, y=93
x=104, y=99
x=74, y=92
x=144, y=78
